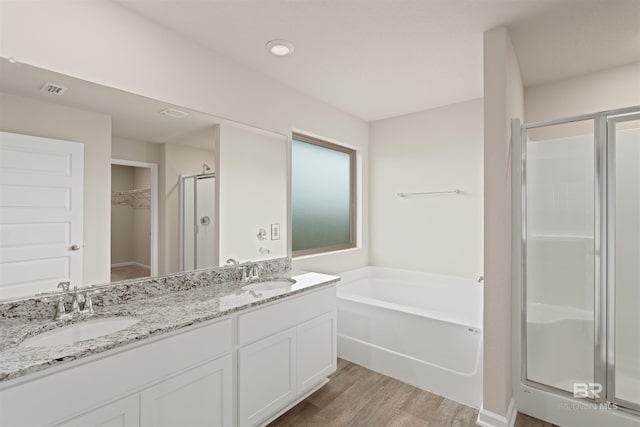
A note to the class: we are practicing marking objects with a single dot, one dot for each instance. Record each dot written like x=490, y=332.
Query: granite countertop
x=168, y=311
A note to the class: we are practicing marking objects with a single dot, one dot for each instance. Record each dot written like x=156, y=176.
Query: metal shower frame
x=604, y=225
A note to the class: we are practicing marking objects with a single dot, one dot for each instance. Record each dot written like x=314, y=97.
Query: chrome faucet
x=245, y=273
x=250, y=271
x=78, y=299
x=253, y=272
x=60, y=311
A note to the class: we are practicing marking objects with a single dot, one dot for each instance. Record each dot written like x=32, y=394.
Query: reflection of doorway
x=133, y=219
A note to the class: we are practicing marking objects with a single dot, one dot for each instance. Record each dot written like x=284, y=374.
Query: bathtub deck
x=357, y=396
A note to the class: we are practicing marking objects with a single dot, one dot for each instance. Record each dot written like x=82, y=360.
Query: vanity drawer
x=274, y=318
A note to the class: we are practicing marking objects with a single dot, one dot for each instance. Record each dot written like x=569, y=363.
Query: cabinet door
x=121, y=413
x=199, y=397
x=267, y=376
x=316, y=351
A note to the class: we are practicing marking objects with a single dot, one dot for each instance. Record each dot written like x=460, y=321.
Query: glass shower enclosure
x=580, y=257
x=198, y=236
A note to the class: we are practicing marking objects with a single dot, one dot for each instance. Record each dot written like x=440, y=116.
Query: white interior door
x=41, y=203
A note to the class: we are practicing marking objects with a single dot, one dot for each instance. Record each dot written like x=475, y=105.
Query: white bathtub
x=423, y=329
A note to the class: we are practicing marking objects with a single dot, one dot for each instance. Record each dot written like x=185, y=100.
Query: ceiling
x=382, y=58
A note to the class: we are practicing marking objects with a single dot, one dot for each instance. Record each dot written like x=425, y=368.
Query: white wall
x=609, y=89
x=178, y=160
x=120, y=49
x=433, y=150
x=251, y=184
x=31, y=117
x=139, y=151
x=503, y=100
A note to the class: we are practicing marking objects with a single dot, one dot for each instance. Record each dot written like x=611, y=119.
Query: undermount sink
x=269, y=285
x=80, y=331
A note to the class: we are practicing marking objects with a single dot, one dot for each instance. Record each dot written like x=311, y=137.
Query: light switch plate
x=275, y=231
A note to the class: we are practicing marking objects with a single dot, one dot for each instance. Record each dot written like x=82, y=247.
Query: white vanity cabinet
x=281, y=367
x=316, y=350
x=121, y=413
x=240, y=370
x=199, y=397
x=91, y=388
x=267, y=376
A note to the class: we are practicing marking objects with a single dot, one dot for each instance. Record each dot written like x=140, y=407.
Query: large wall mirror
x=100, y=185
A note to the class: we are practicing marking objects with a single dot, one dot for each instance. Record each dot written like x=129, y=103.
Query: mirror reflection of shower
x=197, y=220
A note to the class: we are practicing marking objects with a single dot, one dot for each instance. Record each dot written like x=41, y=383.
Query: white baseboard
x=491, y=419
x=125, y=264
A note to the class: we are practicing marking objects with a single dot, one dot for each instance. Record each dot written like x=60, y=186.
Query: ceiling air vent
x=176, y=114
x=53, y=89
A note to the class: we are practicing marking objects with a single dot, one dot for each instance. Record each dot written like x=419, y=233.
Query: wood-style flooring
x=357, y=396
x=127, y=272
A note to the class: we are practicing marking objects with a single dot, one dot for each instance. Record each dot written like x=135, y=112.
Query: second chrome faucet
x=78, y=300
x=250, y=270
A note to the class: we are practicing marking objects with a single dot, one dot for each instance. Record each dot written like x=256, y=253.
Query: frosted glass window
x=322, y=196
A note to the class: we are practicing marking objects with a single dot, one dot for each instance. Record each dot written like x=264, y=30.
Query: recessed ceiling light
x=279, y=47
x=172, y=112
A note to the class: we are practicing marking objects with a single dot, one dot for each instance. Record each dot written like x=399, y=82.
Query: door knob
x=75, y=247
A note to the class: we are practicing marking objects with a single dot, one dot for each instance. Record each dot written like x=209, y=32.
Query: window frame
x=353, y=203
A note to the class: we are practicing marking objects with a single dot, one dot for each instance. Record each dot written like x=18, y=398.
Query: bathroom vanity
x=209, y=355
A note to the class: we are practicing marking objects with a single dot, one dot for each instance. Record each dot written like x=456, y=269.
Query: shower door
x=198, y=240
x=623, y=360
x=560, y=250
x=580, y=252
